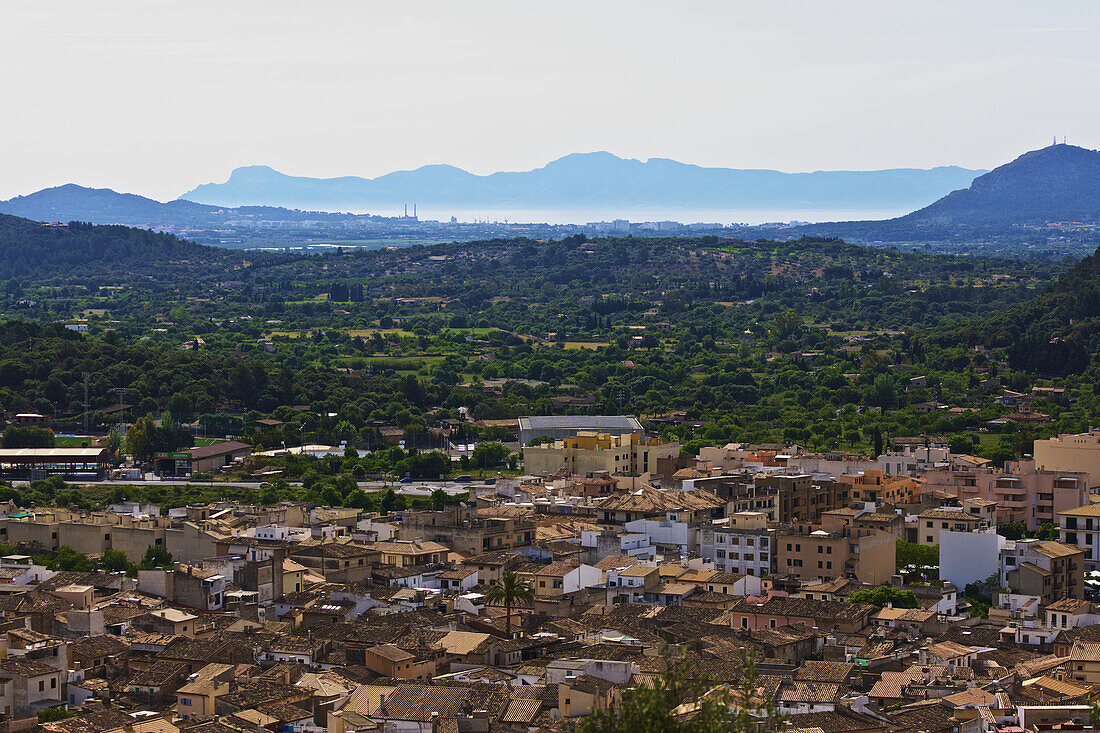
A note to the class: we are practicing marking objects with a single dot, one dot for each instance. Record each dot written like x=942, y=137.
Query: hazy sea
x=684, y=216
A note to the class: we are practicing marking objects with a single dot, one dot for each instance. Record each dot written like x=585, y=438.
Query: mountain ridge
x=595, y=179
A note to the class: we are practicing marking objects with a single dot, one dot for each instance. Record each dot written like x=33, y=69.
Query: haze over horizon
x=156, y=99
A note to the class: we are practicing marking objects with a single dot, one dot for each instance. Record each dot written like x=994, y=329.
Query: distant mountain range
x=1058, y=184
x=104, y=206
x=591, y=180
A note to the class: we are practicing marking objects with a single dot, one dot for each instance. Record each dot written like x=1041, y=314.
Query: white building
x=1080, y=528
x=739, y=543
x=967, y=557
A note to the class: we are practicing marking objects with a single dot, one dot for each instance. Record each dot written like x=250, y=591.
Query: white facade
x=666, y=532
x=967, y=557
x=582, y=576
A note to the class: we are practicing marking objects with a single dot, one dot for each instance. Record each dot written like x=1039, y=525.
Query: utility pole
x=85, y=403
x=121, y=392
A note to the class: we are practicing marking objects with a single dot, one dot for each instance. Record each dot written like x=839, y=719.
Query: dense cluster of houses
x=297, y=618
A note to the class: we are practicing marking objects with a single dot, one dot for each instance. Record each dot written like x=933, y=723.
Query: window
x=53, y=683
x=41, y=685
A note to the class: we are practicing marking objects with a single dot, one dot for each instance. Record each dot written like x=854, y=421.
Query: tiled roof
x=99, y=646
x=26, y=667
x=1057, y=549
x=818, y=671
x=521, y=710
x=557, y=569
x=952, y=514
x=1085, y=652
x=809, y=692
x=949, y=650
x=92, y=722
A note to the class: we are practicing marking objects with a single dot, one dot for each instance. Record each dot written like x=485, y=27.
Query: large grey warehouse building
x=566, y=426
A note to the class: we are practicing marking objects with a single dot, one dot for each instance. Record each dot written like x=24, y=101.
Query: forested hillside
x=1056, y=333
x=812, y=340
x=77, y=250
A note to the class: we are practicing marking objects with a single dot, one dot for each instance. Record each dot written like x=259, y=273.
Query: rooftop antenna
x=85, y=403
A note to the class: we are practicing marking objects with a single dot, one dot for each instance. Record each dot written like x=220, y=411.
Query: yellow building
x=1084, y=663
x=588, y=452
x=1073, y=452
x=196, y=699
x=293, y=576
x=874, y=484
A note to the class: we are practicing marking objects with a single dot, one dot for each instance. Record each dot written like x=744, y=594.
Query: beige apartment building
x=945, y=519
x=1079, y=453
x=1080, y=528
x=629, y=454
x=1023, y=492
x=91, y=534
x=836, y=550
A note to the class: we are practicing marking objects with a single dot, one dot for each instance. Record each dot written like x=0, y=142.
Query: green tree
x=883, y=595
x=139, y=438
x=1013, y=530
x=438, y=500
x=910, y=553
x=489, y=454
x=66, y=558
x=681, y=700
x=114, y=561
x=788, y=323
x=882, y=393
x=387, y=501
x=24, y=436
x=1048, y=532
x=52, y=715
x=508, y=591
x=114, y=442
x=156, y=556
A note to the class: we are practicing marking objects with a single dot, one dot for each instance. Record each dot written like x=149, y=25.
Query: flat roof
x=14, y=453
x=581, y=422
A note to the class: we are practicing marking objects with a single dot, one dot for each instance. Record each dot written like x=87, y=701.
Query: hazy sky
x=155, y=97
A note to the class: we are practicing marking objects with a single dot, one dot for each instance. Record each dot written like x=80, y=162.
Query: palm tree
x=508, y=590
